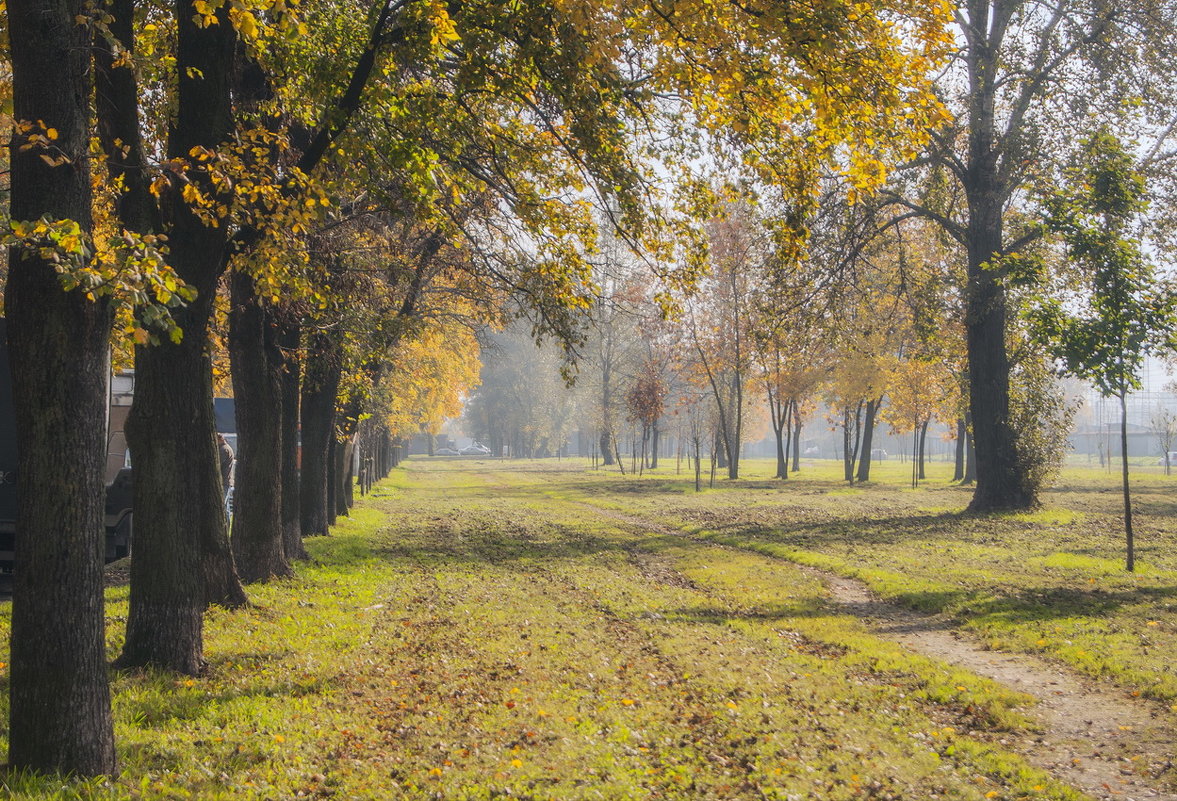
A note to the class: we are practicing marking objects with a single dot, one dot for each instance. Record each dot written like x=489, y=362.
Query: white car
x=476, y=449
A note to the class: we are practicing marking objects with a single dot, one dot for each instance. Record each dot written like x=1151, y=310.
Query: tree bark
x=787, y=429
x=851, y=442
x=332, y=478
x=922, y=448
x=181, y=533
x=796, y=435
x=607, y=414
x=320, y=387
x=59, y=714
x=698, y=467
x=605, y=446
x=258, y=547
x=970, y=452
x=778, y=413
x=782, y=458
x=289, y=339
x=733, y=432
x=847, y=457
x=1002, y=479
x=1130, y=563
x=868, y=436
x=961, y=435
x=343, y=477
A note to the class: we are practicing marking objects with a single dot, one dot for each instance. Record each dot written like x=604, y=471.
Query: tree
x=645, y=401
x=223, y=188
x=1164, y=424
x=722, y=320
x=1028, y=72
x=856, y=386
x=790, y=356
x=182, y=553
x=58, y=342
x=1107, y=328
x=917, y=390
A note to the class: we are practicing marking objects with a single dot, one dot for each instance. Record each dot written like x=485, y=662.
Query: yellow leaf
x=247, y=25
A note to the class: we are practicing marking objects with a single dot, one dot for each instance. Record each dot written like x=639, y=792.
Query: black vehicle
x=118, y=517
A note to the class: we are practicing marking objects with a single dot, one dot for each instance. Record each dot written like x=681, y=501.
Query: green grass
x=477, y=632
x=1050, y=581
x=492, y=629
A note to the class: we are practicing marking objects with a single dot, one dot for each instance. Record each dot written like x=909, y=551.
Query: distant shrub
x=1041, y=418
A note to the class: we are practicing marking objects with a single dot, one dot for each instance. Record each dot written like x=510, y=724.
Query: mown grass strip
x=467, y=635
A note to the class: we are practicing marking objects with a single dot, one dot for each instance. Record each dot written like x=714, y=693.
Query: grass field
x=493, y=629
x=1051, y=581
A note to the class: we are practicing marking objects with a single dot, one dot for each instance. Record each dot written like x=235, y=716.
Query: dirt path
x=1099, y=740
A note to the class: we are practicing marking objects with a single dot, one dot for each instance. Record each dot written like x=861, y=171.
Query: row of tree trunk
x=858, y=425
x=60, y=718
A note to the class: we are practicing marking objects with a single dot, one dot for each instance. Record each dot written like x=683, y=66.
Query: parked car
x=446, y=452
x=1172, y=459
x=878, y=454
x=475, y=449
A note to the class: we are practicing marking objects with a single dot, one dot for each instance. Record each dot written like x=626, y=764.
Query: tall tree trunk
x=181, y=534
x=258, y=547
x=923, y=448
x=868, y=436
x=698, y=466
x=787, y=427
x=320, y=387
x=59, y=713
x=782, y=459
x=733, y=432
x=847, y=456
x=655, y=435
x=1003, y=481
x=961, y=436
x=343, y=477
x=796, y=435
x=1130, y=564
x=970, y=452
x=607, y=437
x=332, y=479
x=167, y=581
x=778, y=412
x=606, y=447
x=289, y=339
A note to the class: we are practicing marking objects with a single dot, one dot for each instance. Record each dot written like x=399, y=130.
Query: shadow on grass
x=861, y=531
x=349, y=554
x=159, y=699
x=809, y=607
x=496, y=551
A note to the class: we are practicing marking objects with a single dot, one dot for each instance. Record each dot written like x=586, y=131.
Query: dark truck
x=117, y=523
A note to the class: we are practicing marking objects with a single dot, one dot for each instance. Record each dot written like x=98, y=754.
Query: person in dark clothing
x=227, y=456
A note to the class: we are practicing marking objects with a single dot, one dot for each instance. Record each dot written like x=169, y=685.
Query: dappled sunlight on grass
x=489, y=628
